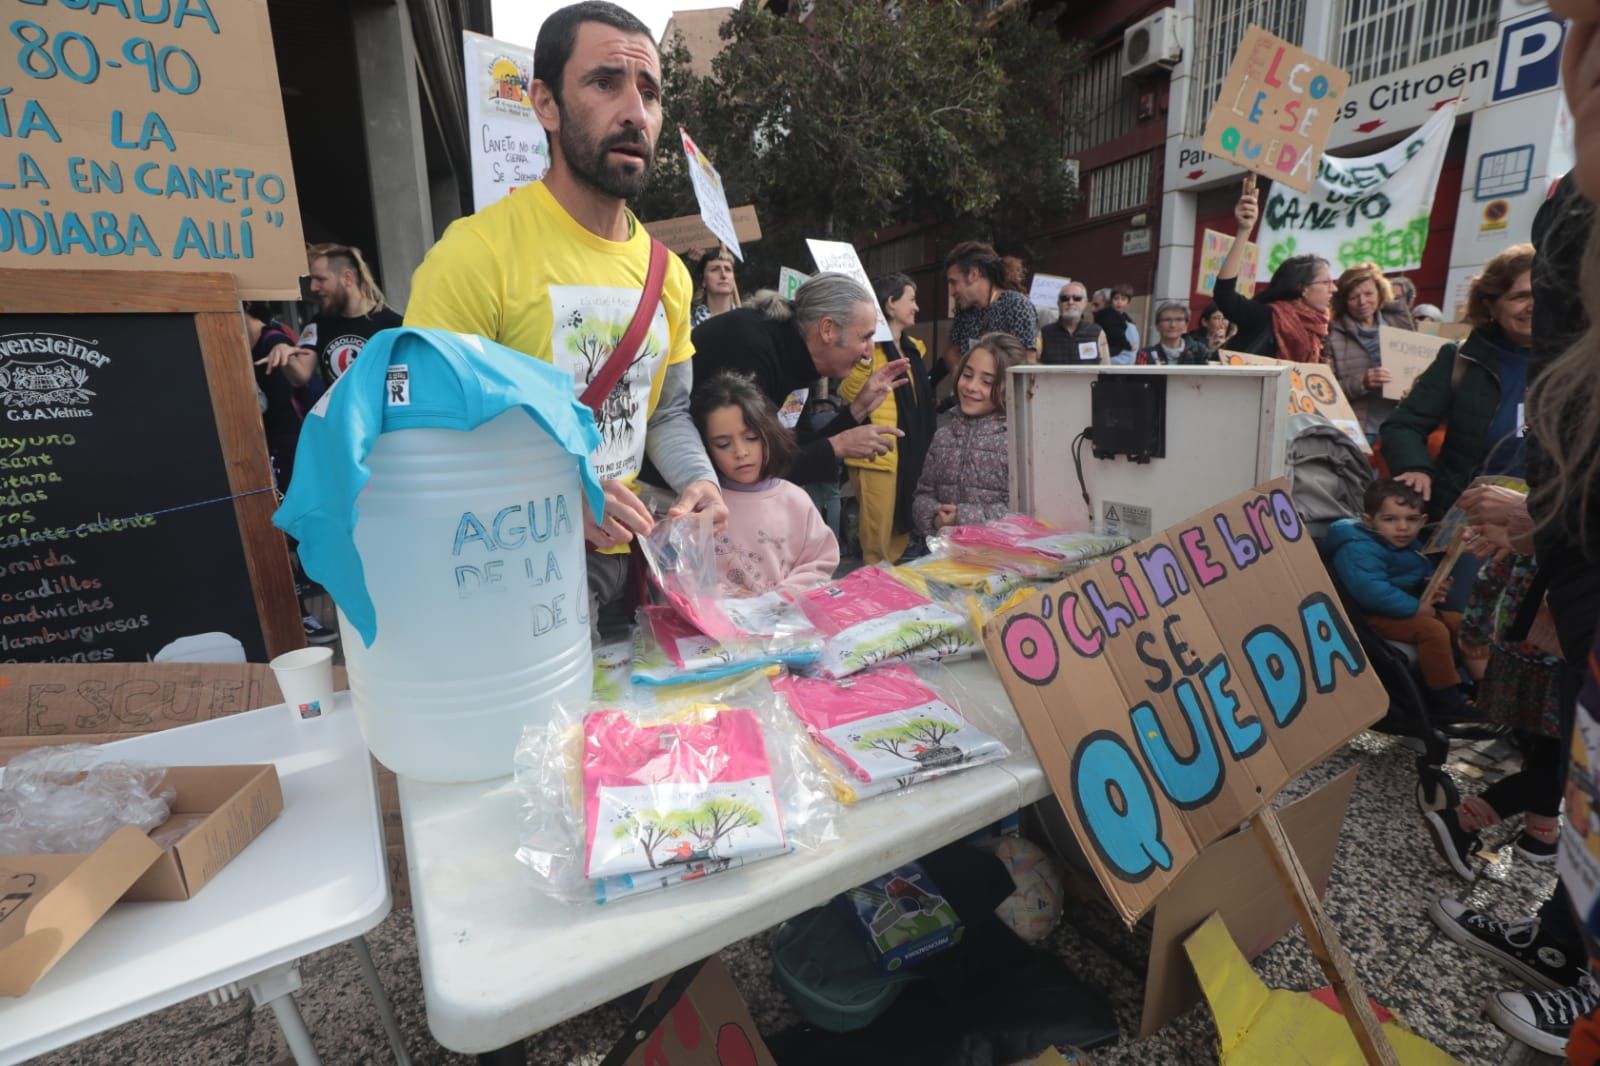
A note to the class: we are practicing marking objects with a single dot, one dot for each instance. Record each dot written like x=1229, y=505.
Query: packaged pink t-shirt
x=695, y=792
x=887, y=726
x=868, y=618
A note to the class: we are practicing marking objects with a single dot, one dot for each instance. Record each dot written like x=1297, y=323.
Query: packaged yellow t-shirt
x=524, y=273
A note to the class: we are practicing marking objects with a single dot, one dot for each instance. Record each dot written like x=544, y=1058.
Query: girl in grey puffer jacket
x=966, y=477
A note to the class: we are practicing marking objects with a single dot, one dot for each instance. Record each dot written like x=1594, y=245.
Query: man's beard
x=587, y=159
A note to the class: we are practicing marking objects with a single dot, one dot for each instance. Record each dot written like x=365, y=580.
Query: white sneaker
x=1542, y=1020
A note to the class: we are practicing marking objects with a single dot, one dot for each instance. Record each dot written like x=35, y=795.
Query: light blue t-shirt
x=441, y=380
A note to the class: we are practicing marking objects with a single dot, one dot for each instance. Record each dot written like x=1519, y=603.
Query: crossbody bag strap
x=622, y=355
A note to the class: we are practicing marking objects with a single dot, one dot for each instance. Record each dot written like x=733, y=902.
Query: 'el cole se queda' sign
x=1171, y=690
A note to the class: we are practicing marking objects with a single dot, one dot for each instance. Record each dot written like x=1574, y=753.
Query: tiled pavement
x=1385, y=873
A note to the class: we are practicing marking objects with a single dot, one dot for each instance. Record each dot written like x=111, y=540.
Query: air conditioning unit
x=1152, y=43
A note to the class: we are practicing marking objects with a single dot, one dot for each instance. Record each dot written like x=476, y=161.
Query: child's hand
x=1440, y=593
x=944, y=516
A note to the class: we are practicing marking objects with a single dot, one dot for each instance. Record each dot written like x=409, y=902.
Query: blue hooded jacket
x=1382, y=579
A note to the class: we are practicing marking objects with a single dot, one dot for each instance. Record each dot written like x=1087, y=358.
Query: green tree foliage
x=870, y=114
x=923, y=733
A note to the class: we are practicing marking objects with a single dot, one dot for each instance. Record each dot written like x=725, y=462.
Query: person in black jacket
x=786, y=345
x=1287, y=320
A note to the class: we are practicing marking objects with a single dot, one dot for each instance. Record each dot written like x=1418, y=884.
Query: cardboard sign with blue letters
x=1172, y=689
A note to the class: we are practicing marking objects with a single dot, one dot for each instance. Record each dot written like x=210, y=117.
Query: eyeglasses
x=1071, y=300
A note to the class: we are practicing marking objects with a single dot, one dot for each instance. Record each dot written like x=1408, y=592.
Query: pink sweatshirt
x=775, y=540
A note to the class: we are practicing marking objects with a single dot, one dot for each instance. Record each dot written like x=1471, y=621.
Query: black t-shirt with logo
x=337, y=340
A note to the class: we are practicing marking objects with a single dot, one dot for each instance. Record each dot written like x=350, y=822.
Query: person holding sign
x=787, y=344
x=1362, y=301
x=1475, y=390
x=884, y=484
x=718, y=292
x=561, y=268
x=1289, y=318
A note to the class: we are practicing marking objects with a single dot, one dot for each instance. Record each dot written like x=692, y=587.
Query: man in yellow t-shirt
x=556, y=270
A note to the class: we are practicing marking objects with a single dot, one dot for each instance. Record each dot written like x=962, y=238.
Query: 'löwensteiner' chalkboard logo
x=57, y=388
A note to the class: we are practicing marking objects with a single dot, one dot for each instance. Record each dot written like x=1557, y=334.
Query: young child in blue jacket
x=1379, y=565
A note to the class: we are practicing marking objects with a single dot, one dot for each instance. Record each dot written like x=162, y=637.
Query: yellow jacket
x=888, y=412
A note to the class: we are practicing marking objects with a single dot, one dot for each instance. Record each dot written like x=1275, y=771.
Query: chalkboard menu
x=135, y=493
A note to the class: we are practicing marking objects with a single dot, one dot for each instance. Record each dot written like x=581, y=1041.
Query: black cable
x=1077, y=464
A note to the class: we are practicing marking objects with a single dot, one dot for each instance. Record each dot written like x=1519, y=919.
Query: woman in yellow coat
x=884, y=485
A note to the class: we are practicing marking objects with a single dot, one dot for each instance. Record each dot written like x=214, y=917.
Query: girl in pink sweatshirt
x=775, y=538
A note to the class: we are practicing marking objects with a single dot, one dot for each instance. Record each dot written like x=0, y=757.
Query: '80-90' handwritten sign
x=1172, y=689
x=1276, y=109
x=146, y=136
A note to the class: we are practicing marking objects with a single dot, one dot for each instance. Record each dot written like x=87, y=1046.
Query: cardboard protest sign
x=1450, y=331
x=1213, y=251
x=688, y=232
x=709, y=194
x=509, y=147
x=1234, y=878
x=1276, y=109
x=789, y=282
x=1313, y=390
x=841, y=258
x=1045, y=290
x=151, y=145
x=709, y=1026
x=1405, y=355
x=1172, y=689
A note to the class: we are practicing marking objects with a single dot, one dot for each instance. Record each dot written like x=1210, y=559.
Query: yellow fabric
x=524, y=273
x=875, y=516
x=1259, y=1026
x=888, y=412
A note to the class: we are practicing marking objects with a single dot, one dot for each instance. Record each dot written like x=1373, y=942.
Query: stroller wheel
x=1435, y=790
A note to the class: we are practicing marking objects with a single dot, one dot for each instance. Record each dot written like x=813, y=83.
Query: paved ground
x=1385, y=873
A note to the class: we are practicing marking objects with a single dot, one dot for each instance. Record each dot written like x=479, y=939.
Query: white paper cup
x=306, y=679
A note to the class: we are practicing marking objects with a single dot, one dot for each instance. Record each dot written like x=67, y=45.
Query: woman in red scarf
x=1289, y=320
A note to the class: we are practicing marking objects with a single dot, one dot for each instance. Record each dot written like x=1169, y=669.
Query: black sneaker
x=316, y=632
x=1542, y=1020
x=1515, y=945
x=1531, y=849
x=1455, y=844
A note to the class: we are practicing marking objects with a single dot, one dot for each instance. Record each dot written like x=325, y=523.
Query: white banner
x=710, y=195
x=507, y=145
x=1372, y=209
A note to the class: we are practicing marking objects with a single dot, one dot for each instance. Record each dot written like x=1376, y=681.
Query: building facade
x=1498, y=59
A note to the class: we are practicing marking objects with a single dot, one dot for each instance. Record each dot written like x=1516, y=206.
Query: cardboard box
x=217, y=811
x=902, y=917
x=47, y=902
x=709, y=1026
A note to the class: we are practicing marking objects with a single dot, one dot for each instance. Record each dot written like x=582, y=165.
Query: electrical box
x=1222, y=431
x=1152, y=44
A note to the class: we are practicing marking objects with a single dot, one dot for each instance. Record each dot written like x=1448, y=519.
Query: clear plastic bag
x=662, y=792
x=867, y=618
x=1020, y=544
x=68, y=799
x=667, y=650
x=888, y=728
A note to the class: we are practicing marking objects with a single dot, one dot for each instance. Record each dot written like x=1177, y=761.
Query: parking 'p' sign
x=1276, y=109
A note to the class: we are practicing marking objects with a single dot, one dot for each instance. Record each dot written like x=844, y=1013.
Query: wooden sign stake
x=1324, y=941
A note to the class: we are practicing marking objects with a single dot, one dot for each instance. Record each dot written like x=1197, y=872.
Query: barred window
x=1379, y=37
x=1219, y=26
x=1119, y=186
x=1098, y=103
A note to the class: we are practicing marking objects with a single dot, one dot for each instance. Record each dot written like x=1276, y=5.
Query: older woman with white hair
x=786, y=345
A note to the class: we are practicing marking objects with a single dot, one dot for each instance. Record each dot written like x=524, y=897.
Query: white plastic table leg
x=275, y=988
x=381, y=998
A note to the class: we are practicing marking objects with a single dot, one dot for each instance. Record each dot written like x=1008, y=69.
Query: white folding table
x=315, y=877
x=501, y=962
